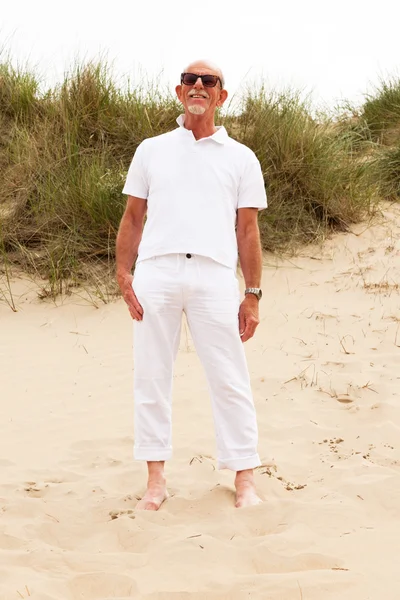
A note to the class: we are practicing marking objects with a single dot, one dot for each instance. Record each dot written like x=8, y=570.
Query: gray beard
x=195, y=109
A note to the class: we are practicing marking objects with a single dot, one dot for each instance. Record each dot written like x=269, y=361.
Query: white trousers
x=208, y=293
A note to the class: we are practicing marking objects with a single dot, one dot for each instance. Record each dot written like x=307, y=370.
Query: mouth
x=198, y=96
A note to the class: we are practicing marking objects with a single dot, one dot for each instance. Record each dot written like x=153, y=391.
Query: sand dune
x=325, y=368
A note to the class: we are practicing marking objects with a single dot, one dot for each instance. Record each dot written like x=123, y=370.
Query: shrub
x=381, y=112
x=387, y=169
x=314, y=182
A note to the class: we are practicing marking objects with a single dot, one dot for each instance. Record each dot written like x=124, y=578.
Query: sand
x=325, y=370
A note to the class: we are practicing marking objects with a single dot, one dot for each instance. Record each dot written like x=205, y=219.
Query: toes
x=246, y=501
x=150, y=503
x=152, y=506
x=147, y=505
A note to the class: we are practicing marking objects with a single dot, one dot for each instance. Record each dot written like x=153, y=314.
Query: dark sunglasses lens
x=209, y=80
x=189, y=79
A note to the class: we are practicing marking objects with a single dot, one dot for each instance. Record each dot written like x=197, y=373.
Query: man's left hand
x=248, y=317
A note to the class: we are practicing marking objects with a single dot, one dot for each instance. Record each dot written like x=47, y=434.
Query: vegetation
x=387, y=171
x=381, y=112
x=315, y=181
x=378, y=120
x=64, y=155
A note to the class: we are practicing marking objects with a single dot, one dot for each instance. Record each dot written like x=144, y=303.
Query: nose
x=198, y=84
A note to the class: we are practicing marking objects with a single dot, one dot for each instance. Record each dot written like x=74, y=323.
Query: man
x=197, y=185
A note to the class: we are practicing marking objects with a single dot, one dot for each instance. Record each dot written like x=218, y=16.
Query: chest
x=205, y=168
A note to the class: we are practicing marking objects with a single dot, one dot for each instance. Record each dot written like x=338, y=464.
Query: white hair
x=209, y=64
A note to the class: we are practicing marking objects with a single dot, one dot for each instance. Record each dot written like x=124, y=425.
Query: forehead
x=202, y=69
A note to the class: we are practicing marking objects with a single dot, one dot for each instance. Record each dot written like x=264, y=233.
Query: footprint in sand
x=116, y=514
x=33, y=490
x=37, y=490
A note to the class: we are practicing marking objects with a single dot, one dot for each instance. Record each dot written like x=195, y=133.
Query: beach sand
x=325, y=370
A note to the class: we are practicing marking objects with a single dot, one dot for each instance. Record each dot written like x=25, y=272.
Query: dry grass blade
x=6, y=293
x=343, y=346
x=395, y=337
x=300, y=590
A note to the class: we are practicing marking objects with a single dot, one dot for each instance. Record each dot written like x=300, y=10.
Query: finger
x=251, y=325
x=137, y=305
x=133, y=303
x=242, y=322
x=134, y=314
x=246, y=336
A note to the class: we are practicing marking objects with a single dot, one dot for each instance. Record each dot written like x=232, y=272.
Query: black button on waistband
x=188, y=256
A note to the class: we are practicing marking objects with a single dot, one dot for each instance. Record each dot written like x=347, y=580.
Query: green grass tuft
x=387, y=169
x=381, y=112
x=314, y=179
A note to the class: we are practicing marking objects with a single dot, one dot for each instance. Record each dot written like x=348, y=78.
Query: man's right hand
x=125, y=281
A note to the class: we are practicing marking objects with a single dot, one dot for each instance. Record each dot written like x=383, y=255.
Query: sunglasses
x=206, y=80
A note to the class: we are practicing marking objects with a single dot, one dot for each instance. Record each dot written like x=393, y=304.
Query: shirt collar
x=219, y=136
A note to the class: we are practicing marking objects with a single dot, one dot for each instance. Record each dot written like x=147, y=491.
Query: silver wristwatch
x=256, y=291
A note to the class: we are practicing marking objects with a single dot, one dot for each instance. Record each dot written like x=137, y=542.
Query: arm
x=128, y=239
x=250, y=254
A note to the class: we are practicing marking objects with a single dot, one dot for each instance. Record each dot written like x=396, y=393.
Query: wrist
x=256, y=292
x=122, y=273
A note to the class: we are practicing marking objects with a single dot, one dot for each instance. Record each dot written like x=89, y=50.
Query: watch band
x=256, y=291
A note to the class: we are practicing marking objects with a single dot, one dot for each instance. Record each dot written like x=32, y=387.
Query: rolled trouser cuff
x=240, y=463
x=152, y=454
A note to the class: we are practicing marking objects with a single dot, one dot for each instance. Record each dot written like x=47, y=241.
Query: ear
x=222, y=97
x=178, y=91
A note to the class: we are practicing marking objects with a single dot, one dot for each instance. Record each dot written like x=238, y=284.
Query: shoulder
x=241, y=150
x=159, y=140
x=151, y=146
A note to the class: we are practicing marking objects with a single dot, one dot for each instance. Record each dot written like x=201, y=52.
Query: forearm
x=250, y=256
x=128, y=240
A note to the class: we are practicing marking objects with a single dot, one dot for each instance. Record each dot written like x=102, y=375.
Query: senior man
x=201, y=191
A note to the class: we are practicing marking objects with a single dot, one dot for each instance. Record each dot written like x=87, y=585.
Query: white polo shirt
x=193, y=189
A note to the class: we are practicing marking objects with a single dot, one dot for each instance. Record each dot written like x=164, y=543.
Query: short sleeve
x=251, y=193
x=136, y=183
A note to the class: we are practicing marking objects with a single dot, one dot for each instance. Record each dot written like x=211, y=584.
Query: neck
x=200, y=125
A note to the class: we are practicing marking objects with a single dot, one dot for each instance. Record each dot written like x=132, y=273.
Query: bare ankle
x=244, y=477
x=156, y=481
x=155, y=472
x=246, y=494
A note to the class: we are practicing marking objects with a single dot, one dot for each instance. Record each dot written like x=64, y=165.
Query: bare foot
x=155, y=495
x=246, y=494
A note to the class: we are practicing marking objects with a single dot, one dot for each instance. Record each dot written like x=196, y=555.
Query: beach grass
x=387, y=171
x=378, y=121
x=381, y=111
x=315, y=180
x=65, y=151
